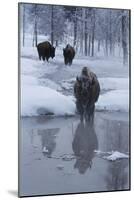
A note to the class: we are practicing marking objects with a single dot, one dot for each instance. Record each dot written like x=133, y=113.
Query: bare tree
x=35, y=33
x=86, y=32
x=124, y=38
x=24, y=24
x=52, y=25
x=93, y=30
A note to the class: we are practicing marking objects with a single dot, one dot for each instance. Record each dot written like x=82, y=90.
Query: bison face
x=53, y=52
x=84, y=85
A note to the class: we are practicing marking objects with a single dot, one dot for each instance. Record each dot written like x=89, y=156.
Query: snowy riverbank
x=42, y=90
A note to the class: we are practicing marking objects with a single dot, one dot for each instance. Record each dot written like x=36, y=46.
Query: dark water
x=57, y=155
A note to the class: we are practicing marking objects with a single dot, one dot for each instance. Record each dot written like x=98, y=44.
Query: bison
x=68, y=54
x=86, y=91
x=45, y=50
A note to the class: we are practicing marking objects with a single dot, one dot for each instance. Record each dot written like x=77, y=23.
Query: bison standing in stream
x=45, y=50
x=68, y=54
x=86, y=91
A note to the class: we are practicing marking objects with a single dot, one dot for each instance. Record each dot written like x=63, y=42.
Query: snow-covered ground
x=39, y=96
x=43, y=84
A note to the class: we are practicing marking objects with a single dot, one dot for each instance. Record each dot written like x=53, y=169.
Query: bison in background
x=68, y=54
x=86, y=91
x=45, y=51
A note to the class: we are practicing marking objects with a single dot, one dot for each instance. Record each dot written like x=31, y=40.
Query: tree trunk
x=23, y=25
x=89, y=44
x=52, y=25
x=35, y=33
x=86, y=34
x=99, y=45
x=110, y=32
x=106, y=46
x=75, y=28
x=93, y=32
x=124, y=39
x=82, y=31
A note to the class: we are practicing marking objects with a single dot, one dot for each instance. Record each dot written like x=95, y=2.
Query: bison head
x=53, y=52
x=85, y=85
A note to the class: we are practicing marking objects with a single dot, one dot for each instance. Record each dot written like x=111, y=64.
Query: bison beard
x=86, y=91
x=45, y=51
x=68, y=54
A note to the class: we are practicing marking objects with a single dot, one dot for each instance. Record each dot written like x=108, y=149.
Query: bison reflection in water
x=84, y=143
x=48, y=137
x=45, y=50
x=68, y=54
x=86, y=91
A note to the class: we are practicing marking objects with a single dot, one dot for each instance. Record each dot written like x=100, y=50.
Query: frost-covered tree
x=89, y=30
x=125, y=36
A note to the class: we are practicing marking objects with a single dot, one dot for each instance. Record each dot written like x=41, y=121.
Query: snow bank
x=38, y=100
x=114, y=83
x=116, y=100
x=38, y=94
x=116, y=155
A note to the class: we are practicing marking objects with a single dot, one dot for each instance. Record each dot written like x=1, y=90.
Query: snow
x=45, y=150
x=111, y=156
x=36, y=67
x=50, y=83
x=116, y=155
x=108, y=83
x=39, y=100
x=116, y=100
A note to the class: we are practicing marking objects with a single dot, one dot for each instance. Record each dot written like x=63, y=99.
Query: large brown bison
x=86, y=91
x=45, y=50
x=68, y=54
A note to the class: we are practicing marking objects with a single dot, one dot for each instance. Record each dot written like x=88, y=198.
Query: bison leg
x=80, y=110
x=47, y=58
x=43, y=57
x=65, y=62
x=90, y=113
x=70, y=62
x=39, y=54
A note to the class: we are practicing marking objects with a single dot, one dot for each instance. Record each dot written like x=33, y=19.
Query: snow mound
x=116, y=100
x=38, y=100
x=116, y=155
